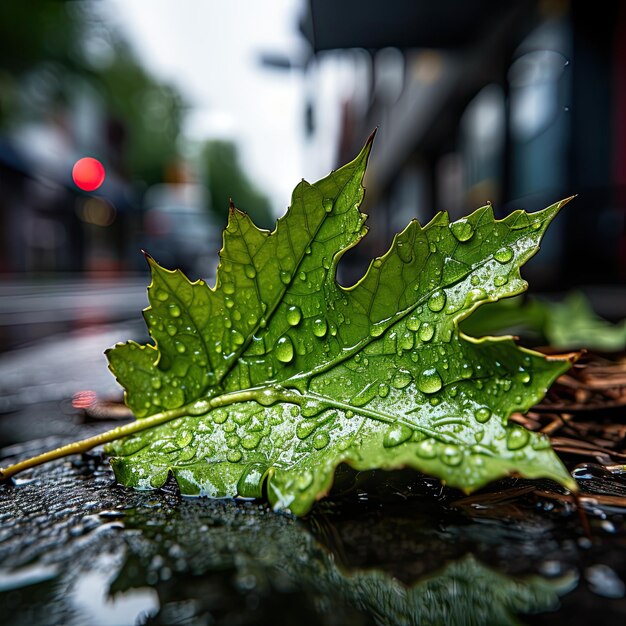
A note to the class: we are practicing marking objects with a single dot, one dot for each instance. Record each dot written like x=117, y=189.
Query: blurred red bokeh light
x=88, y=174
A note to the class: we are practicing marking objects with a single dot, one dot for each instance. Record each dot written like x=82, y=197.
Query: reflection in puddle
x=82, y=551
x=603, y=581
x=26, y=576
x=247, y=559
x=90, y=598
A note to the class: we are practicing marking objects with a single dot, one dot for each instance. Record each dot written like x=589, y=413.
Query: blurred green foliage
x=227, y=179
x=568, y=324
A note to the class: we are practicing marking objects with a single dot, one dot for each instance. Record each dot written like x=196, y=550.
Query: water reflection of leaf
x=249, y=558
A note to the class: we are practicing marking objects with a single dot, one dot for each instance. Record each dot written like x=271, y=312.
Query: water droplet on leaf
x=234, y=456
x=451, y=455
x=397, y=434
x=401, y=379
x=304, y=429
x=251, y=441
x=365, y=395
x=406, y=341
x=219, y=417
x=232, y=441
x=429, y=381
x=413, y=323
x=482, y=414
x=320, y=327
x=462, y=230
x=504, y=255
x=294, y=315
x=321, y=440
x=377, y=330
x=466, y=371
x=437, y=301
x=250, y=484
x=426, y=449
x=517, y=437
x=426, y=331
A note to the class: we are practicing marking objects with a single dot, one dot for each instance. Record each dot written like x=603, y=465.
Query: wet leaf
x=567, y=324
x=278, y=373
x=573, y=323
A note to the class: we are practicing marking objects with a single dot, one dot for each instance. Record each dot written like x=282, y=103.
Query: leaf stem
x=199, y=407
x=264, y=395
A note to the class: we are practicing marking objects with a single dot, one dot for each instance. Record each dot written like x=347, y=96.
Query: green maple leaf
x=278, y=373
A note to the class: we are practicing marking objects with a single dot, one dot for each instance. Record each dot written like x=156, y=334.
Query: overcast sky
x=210, y=50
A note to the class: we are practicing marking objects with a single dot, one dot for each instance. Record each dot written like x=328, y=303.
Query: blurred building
x=70, y=87
x=517, y=103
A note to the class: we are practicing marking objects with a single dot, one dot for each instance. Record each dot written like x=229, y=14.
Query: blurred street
x=53, y=339
x=31, y=304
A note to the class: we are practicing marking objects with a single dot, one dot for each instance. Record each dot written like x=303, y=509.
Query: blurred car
x=178, y=229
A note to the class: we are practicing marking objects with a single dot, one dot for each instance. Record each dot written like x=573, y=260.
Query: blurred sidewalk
x=53, y=334
x=38, y=382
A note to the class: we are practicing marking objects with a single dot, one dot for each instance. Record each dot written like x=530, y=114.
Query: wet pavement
x=383, y=548
x=39, y=380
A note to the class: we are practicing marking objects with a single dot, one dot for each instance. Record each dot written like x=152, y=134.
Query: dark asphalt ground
x=385, y=548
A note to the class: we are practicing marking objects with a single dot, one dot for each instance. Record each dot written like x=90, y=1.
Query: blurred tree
x=32, y=31
x=51, y=49
x=150, y=112
x=226, y=179
x=30, y=34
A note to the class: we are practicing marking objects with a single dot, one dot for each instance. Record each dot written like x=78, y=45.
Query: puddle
x=26, y=576
x=91, y=599
x=385, y=548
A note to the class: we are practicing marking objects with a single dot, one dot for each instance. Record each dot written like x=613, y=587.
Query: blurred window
x=410, y=197
x=539, y=87
x=388, y=75
x=483, y=128
x=534, y=79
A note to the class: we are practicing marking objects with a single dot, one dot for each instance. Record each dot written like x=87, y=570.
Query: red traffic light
x=88, y=174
